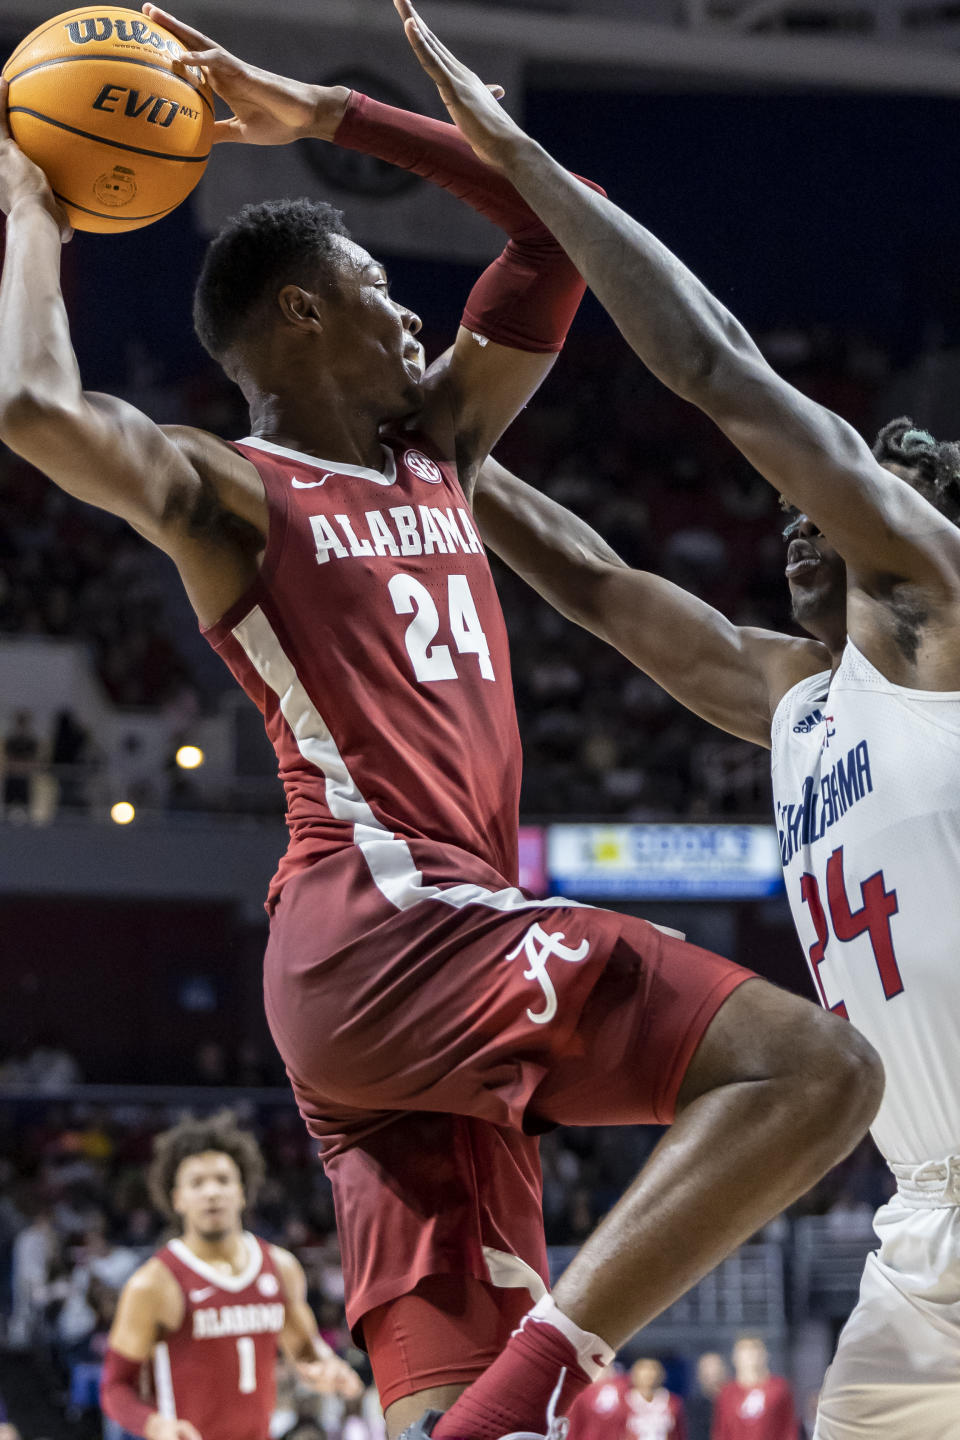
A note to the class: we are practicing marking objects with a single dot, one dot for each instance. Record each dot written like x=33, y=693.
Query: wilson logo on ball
x=163, y=112
x=137, y=32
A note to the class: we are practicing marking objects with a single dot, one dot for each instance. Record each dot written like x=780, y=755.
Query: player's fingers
x=193, y=39
x=4, y=122
x=443, y=52
x=497, y=91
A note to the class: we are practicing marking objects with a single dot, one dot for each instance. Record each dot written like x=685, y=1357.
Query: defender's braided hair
x=937, y=463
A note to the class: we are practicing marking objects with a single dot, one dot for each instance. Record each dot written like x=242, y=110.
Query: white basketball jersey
x=866, y=786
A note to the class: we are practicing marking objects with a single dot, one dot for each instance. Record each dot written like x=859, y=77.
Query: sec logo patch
x=268, y=1284
x=423, y=467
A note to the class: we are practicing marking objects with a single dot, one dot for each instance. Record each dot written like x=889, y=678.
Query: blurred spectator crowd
x=654, y=477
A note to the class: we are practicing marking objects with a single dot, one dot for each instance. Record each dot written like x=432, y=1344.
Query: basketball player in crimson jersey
x=863, y=720
x=432, y=1016
x=637, y=1406
x=209, y=1309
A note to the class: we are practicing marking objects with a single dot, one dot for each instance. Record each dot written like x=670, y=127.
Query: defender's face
x=208, y=1195
x=817, y=577
x=372, y=336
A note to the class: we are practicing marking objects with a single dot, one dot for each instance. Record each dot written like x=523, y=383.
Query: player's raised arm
x=518, y=313
x=317, y=1365
x=696, y=347
x=732, y=675
x=169, y=485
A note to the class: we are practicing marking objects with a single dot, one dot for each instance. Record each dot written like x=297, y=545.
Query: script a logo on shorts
x=537, y=946
x=422, y=466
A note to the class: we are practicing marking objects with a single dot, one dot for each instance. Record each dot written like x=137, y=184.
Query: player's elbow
x=29, y=417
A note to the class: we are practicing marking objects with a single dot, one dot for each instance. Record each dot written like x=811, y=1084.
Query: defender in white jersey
x=863, y=719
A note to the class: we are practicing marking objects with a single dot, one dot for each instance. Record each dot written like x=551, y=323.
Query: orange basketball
x=121, y=130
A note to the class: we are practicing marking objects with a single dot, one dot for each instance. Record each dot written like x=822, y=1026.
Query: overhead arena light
x=189, y=757
x=122, y=812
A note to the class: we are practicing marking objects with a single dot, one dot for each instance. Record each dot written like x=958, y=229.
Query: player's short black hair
x=196, y=1136
x=936, y=462
x=269, y=245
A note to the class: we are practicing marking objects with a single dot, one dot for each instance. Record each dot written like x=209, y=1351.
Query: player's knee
x=838, y=1076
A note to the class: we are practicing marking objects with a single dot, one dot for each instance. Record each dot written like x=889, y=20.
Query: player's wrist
x=329, y=106
x=36, y=206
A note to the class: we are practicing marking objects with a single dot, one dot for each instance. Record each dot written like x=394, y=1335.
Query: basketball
x=99, y=102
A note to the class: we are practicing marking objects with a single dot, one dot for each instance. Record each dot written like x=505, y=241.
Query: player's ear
x=301, y=307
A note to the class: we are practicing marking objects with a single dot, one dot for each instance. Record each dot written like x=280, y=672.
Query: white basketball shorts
x=896, y=1373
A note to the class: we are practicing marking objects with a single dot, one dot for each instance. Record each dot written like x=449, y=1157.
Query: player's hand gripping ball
x=122, y=130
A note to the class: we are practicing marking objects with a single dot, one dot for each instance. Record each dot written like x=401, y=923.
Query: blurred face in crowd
x=711, y=1372
x=208, y=1196
x=646, y=1376
x=750, y=1360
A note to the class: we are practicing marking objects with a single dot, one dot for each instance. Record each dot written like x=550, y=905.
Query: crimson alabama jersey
x=219, y=1369
x=597, y=1413
x=373, y=643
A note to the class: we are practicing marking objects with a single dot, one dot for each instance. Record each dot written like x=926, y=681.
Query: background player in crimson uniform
x=211, y=1307
x=651, y=1411
x=596, y=1017
x=754, y=1405
x=596, y=1413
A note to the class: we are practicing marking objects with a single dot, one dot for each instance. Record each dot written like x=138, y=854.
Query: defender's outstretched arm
x=732, y=675
x=696, y=347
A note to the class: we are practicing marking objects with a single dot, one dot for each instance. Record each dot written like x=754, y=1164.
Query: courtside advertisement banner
x=660, y=862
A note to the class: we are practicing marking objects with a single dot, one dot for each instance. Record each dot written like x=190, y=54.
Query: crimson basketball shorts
x=427, y=1052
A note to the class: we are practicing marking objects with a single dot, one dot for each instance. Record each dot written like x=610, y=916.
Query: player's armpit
x=818, y=462
x=732, y=676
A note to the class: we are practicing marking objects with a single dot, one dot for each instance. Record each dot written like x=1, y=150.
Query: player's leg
x=427, y=1346
x=776, y=1092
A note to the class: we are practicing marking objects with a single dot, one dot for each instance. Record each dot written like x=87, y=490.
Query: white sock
x=593, y=1354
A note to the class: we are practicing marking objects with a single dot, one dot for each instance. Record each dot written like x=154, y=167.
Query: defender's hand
x=267, y=109
x=472, y=105
x=20, y=178
x=329, y=1375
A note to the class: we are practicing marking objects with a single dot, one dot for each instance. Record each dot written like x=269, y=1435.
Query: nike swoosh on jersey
x=197, y=1295
x=310, y=484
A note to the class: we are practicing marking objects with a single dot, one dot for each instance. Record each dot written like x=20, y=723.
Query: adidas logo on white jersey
x=808, y=723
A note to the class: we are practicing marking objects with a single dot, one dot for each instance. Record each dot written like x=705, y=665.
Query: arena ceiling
x=872, y=45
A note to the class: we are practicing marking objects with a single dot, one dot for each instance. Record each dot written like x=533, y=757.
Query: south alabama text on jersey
x=868, y=813
x=819, y=806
